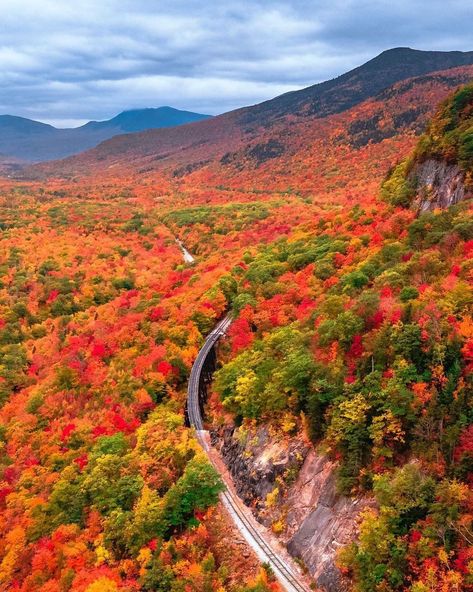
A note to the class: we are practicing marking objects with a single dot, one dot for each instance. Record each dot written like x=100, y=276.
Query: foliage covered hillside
x=450, y=134
x=358, y=327
x=448, y=139
x=102, y=487
x=352, y=325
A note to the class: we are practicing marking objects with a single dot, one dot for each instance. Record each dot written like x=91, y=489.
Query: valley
x=331, y=229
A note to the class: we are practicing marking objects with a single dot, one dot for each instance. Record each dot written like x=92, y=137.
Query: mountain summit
x=355, y=86
x=137, y=120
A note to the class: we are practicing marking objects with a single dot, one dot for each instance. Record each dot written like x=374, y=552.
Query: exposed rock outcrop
x=319, y=521
x=439, y=184
x=301, y=483
x=439, y=172
x=256, y=462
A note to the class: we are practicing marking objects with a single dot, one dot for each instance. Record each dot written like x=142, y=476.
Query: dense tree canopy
x=353, y=325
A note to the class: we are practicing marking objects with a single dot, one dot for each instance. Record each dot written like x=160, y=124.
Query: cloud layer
x=67, y=62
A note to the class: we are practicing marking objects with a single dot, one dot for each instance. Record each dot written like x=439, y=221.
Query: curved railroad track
x=246, y=524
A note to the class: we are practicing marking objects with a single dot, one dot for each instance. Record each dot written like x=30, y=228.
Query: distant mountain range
x=33, y=141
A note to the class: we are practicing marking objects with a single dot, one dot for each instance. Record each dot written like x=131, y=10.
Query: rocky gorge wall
x=439, y=184
x=292, y=489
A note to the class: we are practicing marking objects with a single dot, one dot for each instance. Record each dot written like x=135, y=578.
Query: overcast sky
x=69, y=61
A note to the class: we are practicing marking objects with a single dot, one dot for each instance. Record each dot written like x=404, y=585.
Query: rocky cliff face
x=292, y=488
x=319, y=521
x=258, y=464
x=439, y=172
x=439, y=184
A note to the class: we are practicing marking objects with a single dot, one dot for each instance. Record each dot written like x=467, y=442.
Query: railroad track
x=283, y=571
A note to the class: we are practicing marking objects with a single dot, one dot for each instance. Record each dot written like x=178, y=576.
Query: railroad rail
x=246, y=524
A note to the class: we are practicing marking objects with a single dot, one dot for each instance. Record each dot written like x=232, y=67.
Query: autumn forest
x=341, y=243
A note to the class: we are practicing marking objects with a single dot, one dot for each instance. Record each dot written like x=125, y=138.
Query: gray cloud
x=67, y=62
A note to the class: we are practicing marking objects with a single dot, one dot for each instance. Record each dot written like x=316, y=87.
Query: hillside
x=439, y=173
x=30, y=140
x=342, y=403
x=355, y=86
x=283, y=126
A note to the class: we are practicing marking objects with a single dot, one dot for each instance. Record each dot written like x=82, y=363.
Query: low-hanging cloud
x=67, y=62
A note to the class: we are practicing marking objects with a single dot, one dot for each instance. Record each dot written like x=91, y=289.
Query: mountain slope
x=347, y=90
x=230, y=146
x=440, y=171
x=35, y=141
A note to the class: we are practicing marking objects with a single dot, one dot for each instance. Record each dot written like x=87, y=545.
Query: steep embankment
x=356, y=331
x=439, y=174
x=286, y=572
x=292, y=489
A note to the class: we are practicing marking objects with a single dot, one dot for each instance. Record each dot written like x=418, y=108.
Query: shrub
x=409, y=293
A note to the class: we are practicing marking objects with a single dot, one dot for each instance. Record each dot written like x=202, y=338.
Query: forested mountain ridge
x=228, y=148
